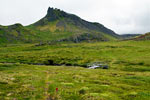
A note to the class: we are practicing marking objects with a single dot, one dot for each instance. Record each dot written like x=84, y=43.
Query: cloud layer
x=122, y=16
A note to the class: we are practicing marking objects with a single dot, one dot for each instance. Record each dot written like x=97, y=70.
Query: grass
x=126, y=79
x=32, y=82
x=128, y=55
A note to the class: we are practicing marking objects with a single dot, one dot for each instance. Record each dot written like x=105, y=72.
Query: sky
x=122, y=16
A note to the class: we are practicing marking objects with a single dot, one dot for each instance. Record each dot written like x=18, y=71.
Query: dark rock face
x=51, y=15
x=61, y=24
x=55, y=14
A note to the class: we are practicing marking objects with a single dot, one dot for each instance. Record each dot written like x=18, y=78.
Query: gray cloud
x=122, y=16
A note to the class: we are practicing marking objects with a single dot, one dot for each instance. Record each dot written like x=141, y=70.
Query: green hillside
x=129, y=36
x=57, y=26
x=145, y=36
x=16, y=34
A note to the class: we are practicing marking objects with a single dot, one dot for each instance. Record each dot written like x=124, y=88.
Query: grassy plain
x=26, y=73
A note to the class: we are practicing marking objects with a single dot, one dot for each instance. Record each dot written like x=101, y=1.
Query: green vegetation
x=126, y=53
x=126, y=79
x=145, y=36
x=16, y=34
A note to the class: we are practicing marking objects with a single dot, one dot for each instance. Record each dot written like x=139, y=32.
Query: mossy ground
x=126, y=79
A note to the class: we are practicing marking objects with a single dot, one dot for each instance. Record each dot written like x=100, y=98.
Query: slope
x=15, y=34
x=145, y=36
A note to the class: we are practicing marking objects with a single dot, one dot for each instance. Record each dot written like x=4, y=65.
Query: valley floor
x=128, y=77
x=31, y=82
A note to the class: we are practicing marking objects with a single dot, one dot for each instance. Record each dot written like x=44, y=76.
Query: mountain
x=15, y=33
x=59, y=26
x=129, y=36
x=145, y=36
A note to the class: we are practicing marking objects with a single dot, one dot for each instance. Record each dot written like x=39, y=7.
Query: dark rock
x=51, y=62
x=105, y=67
x=68, y=64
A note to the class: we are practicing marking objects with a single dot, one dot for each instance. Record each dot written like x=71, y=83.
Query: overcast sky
x=122, y=16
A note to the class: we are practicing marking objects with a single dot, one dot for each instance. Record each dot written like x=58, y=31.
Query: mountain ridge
x=57, y=14
x=58, y=25
x=145, y=36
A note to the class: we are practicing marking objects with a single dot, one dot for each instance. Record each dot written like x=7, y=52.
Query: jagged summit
x=56, y=14
x=53, y=14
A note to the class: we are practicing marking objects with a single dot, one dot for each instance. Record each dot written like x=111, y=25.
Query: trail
x=47, y=95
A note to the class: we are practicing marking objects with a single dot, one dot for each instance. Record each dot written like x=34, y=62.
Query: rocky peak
x=54, y=14
x=50, y=11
